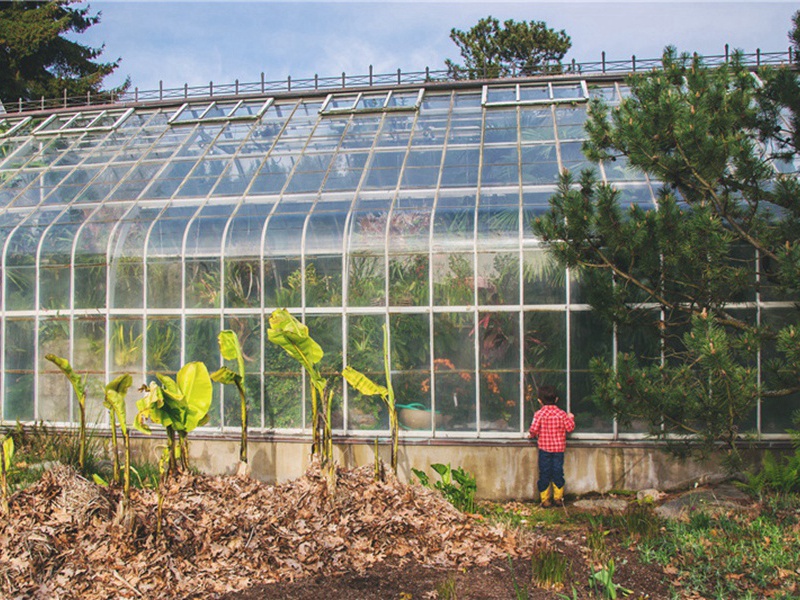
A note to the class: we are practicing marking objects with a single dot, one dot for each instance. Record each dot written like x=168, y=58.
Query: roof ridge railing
x=317, y=83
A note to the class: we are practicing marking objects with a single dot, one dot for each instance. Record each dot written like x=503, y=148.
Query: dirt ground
x=236, y=538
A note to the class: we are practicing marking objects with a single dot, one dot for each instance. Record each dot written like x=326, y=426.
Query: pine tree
x=491, y=51
x=36, y=60
x=727, y=225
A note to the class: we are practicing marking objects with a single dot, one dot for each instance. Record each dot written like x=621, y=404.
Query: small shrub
x=457, y=485
x=549, y=567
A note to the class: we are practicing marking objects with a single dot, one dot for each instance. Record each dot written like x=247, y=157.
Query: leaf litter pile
x=65, y=538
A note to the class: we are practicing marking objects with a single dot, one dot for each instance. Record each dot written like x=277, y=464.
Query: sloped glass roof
x=131, y=237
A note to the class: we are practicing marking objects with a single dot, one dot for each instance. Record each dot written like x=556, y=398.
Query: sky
x=187, y=42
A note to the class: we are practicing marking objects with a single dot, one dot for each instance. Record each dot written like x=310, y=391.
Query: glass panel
x=20, y=266
x=323, y=248
x=499, y=370
x=501, y=94
x=89, y=349
x=776, y=413
x=572, y=157
x=203, y=284
x=55, y=260
x=365, y=354
x=127, y=345
x=498, y=278
x=454, y=370
x=384, y=170
x=533, y=92
x=500, y=126
x=20, y=340
x=283, y=388
x=366, y=268
x=408, y=280
x=570, y=122
x=539, y=164
x=411, y=358
x=591, y=337
x=371, y=101
x=567, y=90
x=273, y=175
x=396, y=130
x=545, y=356
x=163, y=345
x=536, y=125
x=618, y=169
x=500, y=166
x=54, y=393
x=327, y=331
x=544, y=281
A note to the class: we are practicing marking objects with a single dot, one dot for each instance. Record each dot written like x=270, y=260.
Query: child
x=551, y=425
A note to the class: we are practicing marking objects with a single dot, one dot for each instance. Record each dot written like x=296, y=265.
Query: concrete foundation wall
x=503, y=471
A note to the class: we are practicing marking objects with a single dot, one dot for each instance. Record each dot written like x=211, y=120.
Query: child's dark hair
x=548, y=394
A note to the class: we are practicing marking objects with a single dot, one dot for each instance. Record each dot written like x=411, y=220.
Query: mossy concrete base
x=503, y=471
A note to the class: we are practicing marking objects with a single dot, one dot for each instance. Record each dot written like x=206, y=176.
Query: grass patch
x=734, y=555
x=549, y=567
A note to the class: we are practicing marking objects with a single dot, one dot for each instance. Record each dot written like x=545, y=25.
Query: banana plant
x=180, y=405
x=79, y=385
x=114, y=401
x=291, y=335
x=6, y=456
x=230, y=349
x=365, y=386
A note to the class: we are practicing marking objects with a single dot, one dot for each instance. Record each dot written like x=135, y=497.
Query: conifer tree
x=516, y=48
x=727, y=227
x=37, y=60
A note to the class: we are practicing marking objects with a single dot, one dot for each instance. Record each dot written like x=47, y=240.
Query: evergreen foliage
x=37, y=60
x=490, y=50
x=727, y=223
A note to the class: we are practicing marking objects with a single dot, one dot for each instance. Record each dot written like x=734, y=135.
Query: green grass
x=733, y=555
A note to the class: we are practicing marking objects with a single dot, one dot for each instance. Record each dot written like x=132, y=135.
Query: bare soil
x=239, y=539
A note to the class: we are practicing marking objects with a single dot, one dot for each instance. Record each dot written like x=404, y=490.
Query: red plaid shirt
x=551, y=424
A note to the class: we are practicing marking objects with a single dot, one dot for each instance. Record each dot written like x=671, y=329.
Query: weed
x=446, y=590
x=549, y=567
x=604, y=578
x=641, y=521
x=596, y=539
x=520, y=591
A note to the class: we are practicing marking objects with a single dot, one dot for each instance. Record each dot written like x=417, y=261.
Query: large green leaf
x=230, y=349
x=152, y=408
x=225, y=376
x=291, y=335
x=116, y=391
x=75, y=379
x=195, y=383
x=364, y=384
x=171, y=387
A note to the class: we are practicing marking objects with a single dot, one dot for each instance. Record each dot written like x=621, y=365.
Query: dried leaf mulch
x=66, y=537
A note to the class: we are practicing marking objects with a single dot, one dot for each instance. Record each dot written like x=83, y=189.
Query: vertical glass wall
x=131, y=237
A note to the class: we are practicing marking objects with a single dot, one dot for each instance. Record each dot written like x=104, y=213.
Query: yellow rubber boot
x=544, y=498
x=558, y=495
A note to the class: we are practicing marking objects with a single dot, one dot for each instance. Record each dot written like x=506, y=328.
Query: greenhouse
x=133, y=233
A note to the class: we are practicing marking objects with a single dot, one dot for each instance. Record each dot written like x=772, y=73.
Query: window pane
x=454, y=370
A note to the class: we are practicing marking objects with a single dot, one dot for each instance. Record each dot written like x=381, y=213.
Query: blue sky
x=197, y=42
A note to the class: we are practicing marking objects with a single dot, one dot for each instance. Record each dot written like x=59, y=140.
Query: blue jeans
x=551, y=469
